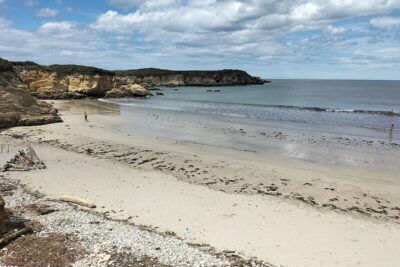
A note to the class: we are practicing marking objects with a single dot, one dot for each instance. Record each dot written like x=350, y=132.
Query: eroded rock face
x=60, y=83
x=73, y=81
x=17, y=106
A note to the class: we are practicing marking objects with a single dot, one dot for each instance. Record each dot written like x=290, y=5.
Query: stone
x=17, y=106
x=132, y=90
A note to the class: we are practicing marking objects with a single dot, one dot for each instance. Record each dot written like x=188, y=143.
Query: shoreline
x=264, y=227
x=316, y=177
x=148, y=182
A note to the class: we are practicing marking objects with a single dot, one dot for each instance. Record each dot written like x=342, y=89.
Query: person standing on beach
x=85, y=115
x=391, y=131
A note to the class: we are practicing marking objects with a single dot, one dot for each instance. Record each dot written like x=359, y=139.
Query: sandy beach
x=286, y=209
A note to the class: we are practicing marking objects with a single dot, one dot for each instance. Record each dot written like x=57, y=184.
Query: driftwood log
x=25, y=160
x=78, y=201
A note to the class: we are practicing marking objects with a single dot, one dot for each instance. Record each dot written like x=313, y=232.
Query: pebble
x=100, y=243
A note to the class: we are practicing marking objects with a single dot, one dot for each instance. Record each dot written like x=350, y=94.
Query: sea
x=341, y=103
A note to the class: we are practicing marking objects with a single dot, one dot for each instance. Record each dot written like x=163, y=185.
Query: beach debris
x=78, y=200
x=25, y=160
x=12, y=236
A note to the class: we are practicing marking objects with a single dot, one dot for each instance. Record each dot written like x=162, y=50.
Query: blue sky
x=327, y=39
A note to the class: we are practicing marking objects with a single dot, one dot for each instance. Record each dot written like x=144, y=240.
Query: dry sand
x=276, y=229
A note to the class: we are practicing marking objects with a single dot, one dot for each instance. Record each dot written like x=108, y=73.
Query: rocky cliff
x=17, y=106
x=64, y=81
x=74, y=81
x=159, y=77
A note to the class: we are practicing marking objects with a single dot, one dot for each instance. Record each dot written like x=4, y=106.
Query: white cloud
x=57, y=27
x=306, y=11
x=218, y=33
x=223, y=15
x=336, y=30
x=46, y=12
x=384, y=22
x=157, y=4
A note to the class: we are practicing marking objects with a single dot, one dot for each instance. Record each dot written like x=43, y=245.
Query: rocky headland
x=17, y=106
x=74, y=81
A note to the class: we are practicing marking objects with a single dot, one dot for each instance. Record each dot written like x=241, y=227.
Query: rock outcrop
x=129, y=90
x=64, y=81
x=74, y=81
x=159, y=77
x=17, y=106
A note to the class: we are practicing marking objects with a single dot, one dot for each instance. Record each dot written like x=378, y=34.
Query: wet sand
x=261, y=203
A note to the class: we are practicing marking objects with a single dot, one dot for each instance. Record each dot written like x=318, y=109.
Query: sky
x=307, y=39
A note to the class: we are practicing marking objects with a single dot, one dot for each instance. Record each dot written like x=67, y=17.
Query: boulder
x=131, y=90
x=17, y=106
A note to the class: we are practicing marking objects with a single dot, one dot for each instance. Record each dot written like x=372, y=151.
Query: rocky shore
x=75, y=82
x=19, y=81
x=70, y=235
x=17, y=106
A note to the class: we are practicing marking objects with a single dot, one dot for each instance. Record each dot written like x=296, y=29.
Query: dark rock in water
x=217, y=91
x=159, y=93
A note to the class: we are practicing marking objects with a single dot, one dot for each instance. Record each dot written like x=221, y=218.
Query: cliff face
x=64, y=81
x=73, y=81
x=17, y=106
x=160, y=77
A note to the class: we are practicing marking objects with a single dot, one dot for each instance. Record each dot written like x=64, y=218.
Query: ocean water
x=341, y=103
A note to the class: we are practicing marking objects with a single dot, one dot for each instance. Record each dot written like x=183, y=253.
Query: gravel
x=103, y=238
